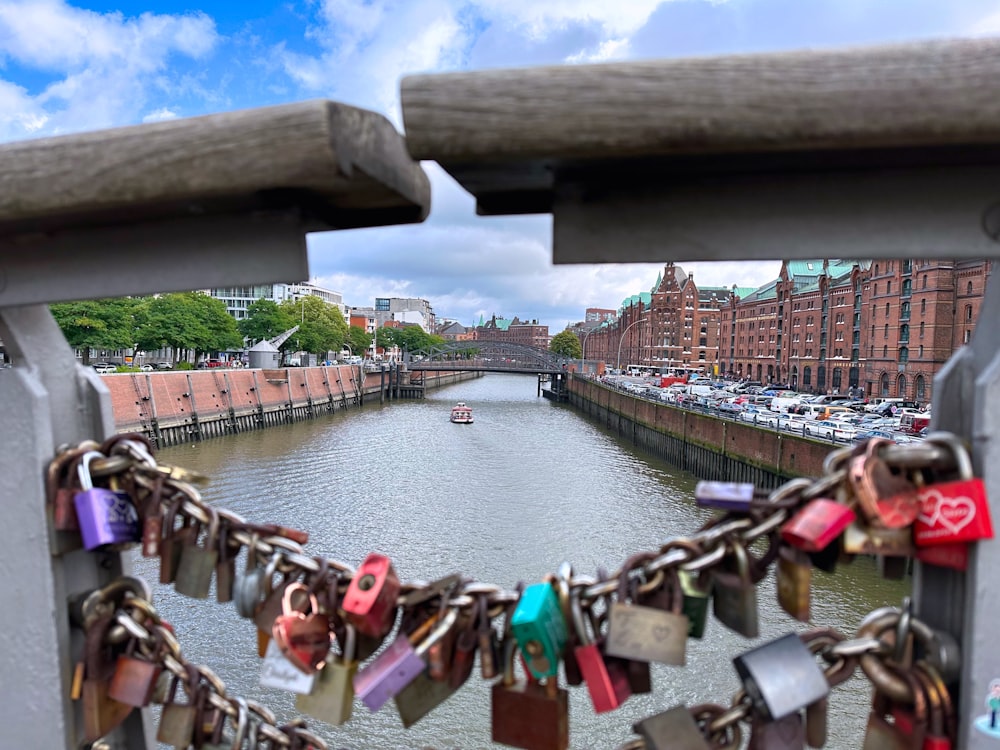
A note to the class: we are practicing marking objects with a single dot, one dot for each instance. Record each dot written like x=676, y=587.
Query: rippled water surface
x=528, y=485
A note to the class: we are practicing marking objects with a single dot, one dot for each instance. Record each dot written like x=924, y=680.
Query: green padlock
x=540, y=629
x=696, y=599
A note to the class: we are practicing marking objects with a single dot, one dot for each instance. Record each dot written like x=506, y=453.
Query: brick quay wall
x=182, y=406
x=707, y=446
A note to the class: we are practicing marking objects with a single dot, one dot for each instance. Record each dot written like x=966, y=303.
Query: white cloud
x=159, y=115
x=610, y=49
x=105, y=65
x=541, y=18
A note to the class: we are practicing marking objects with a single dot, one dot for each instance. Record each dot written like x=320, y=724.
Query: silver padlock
x=781, y=677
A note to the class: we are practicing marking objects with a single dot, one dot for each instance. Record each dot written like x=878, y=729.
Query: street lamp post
x=618, y=365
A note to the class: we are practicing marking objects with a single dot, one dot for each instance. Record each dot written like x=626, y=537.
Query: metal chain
x=132, y=459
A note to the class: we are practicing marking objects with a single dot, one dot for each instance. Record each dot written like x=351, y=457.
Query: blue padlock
x=106, y=516
x=540, y=629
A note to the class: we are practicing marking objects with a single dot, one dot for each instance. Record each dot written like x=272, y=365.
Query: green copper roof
x=805, y=267
x=744, y=291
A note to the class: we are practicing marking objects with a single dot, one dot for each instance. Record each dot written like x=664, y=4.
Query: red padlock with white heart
x=304, y=639
x=956, y=511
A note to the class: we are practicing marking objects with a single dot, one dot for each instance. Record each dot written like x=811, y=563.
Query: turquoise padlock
x=540, y=629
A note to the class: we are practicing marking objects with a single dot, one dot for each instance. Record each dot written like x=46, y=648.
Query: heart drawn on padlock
x=953, y=513
x=304, y=639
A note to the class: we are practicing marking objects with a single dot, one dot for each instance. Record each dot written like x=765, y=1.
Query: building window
x=885, y=351
x=920, y=389
x=921, y=351
x=887, y=309
x=921, y=329
x=968, y=313
x=923, y=283
x=876, y=269
x=888, y=287
x=901, y=386
x=923, y=306
x=837, y=378
x=904, y=354
x=966, y=337
x=885, y=333
x=884, y=385
x=968, y=289
x=806, y=375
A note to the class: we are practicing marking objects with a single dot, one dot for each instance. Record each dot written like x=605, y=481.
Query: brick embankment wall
x=173, y=407
x=708, y=447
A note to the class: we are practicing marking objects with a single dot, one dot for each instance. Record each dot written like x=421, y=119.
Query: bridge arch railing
x=487, y=355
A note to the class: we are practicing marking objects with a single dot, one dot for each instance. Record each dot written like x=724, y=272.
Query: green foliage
x=188, y=320
x=359, y=340
x=99, y=324
x=321, y=326
x=265, y=320
x=185, y=365
x=566, y=344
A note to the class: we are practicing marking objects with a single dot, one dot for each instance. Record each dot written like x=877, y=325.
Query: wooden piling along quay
x=883, y=152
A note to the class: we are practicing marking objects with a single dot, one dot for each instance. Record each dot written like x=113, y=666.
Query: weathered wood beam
x=868, y=152
x=339, y=166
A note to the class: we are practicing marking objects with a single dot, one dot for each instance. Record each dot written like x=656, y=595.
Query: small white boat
x=461, y=414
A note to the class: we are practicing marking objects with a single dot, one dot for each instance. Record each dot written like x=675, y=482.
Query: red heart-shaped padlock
x=304, y=639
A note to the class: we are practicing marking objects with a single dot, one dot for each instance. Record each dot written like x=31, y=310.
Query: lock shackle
x=954, y=445
x=287, y=606
x=576, y=617
x=242, y=723
x=438, y=626
x=635, y=562
x=83, y=469
x=885, y=679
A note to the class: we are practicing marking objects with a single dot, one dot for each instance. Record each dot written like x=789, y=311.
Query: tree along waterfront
x=529, y=485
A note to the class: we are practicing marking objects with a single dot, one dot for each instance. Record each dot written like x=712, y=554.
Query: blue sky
x=73, y=66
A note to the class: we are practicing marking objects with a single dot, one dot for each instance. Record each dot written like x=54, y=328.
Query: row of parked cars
x=105, y=368
x=826, y=417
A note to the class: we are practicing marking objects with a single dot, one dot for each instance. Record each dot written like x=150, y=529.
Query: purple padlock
x=401, y=663
x=731, y=496
x=106, y=516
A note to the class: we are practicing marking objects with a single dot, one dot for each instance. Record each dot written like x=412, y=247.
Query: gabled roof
x=644, y=297
x=743, y=291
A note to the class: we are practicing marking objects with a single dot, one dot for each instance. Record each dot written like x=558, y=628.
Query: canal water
x=529, y=485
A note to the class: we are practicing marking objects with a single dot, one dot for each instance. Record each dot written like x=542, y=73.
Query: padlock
x=880, y=733
x=528, y=715
x=488, y=644
x=173, y=540
x=101, y=713
x=861, y=539
x=955, y=511
x=817, y=524
x=249, y=585
x=697, y=591
x=539, y=628
x=911, y=719
x=151, y=518
x=886, y=500
x=105, y=516
x=954, y=556
x=420, y=697
x=793, y=581
x=648, y=634
x=197, y=563
x=177, y=720
x=332, y=696
x=606, y=677
x=780, y=734
x=937, y=736
x=571, y=670
x=370, y=600
x=135, y=677
x=734, y=595
x=466, y=643
x=781, y=677
x=441, y=653
x=673, y=729
x=304, y=639
x=734, y=497
x=225, y=566
x=399, y=664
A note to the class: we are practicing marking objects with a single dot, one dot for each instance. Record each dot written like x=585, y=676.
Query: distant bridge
x=487, y=356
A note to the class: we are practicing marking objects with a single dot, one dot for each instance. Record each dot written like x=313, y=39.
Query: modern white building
x=239, y=298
